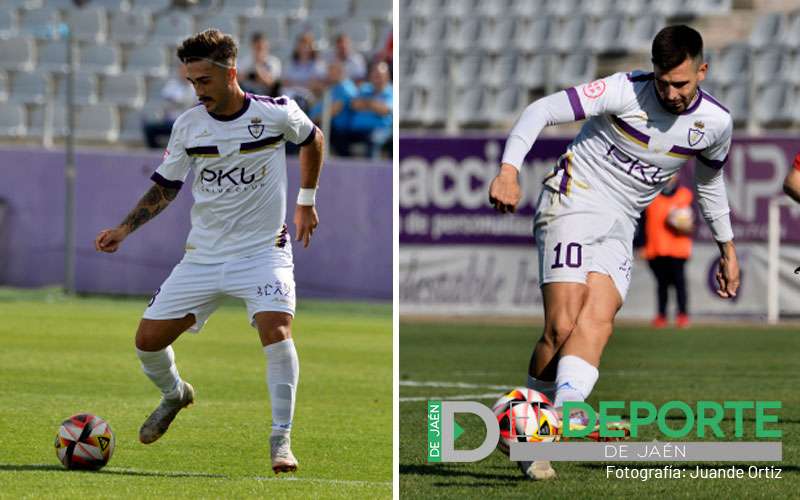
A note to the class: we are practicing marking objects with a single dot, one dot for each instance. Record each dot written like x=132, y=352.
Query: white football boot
x=158, y=422
x=283, y=459
x=538, y=470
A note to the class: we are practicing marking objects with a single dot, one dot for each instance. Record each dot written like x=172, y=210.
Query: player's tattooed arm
x=152, y=203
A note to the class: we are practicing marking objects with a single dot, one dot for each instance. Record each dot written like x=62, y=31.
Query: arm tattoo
x=152, y=203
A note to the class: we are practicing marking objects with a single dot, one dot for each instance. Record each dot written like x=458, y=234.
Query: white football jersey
x=630, y=146
x=240, y=182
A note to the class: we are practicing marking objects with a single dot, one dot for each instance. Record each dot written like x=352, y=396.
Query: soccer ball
x=85, y=442
x=525, y=416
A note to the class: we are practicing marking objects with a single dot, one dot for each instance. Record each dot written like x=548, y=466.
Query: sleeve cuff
x=308, y=140
x=161, y=181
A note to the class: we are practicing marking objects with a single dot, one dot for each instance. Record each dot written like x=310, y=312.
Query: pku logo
x=649, y=174
x=234, y=176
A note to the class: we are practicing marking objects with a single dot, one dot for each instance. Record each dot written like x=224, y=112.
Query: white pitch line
x=257, y=478
x=460, y=385
x=468, y=397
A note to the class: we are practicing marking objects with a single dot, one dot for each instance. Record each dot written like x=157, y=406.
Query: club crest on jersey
x=256, y=128
x=695, y=136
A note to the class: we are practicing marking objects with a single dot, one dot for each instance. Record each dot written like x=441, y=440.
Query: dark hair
x=257, y=37
x=210, y=44
x=673, y=44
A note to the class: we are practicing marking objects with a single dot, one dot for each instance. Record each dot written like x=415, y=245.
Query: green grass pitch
x=736, y=362
x=61, y=356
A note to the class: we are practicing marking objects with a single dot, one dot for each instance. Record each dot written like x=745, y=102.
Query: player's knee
x=276, y=333
x=558, y=332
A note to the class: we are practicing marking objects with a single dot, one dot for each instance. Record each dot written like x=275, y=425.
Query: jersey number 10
x=573, y=255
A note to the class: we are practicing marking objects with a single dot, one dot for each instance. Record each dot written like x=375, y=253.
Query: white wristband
x=307, y=197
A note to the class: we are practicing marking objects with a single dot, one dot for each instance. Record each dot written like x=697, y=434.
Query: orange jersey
x=660, y=239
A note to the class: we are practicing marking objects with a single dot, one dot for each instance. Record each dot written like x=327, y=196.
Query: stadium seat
x=421, y=8
x=130, y=27
x=458, y=9
x=428, y=70
x=496, y=36
x=509, y=103
x=30, y=87
x=767, y=31
x=24, y=4
x=17, y=53
x=52, y=56
x=533, y=71
x=534, y=35
x=287, y=8
x=563, y=8
x=602, y=9
x=793, y=70
x=527, y=9
x=172, y=28
x=425, y=34
x=63, y=5
x=474, y=106
x=97, y=122
x=498, y=72
x=569, y=35
x=151, y=5
x=736, y=99
x=226, y=23
x=359, y=31
x=372, y=9
x=123, y=90
x=640, y=35
x=130, y=129
x=492, y=9
x=41, y=23
x=88, y=25
x=103, y=59
x=467, y=69
x=772, y=106
x=732, y=63
x=574, y=70
x=769, y=66
x=148, y=60
x=673, y=8
x=244, y=8
x=274, y=28
x=465, y=36
x=3, y=86
x=85, y=88
x=330, y=9
x=791, y=37
x=713, y=7
x=12, y=120
x=435, y=105
x=8, y=22
x=113, y=5
x=154, y=86
x=56, y=121
x=607, y=37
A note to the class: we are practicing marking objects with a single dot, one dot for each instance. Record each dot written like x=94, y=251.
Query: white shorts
x=265, y=282
x=575, y=239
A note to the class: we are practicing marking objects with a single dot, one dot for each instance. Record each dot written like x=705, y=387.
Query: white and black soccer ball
x=85, y=442
x=525, y=416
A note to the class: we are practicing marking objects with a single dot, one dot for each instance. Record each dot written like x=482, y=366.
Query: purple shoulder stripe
x=639, y=78
x=281, y=101
x=710, y=98
x=575, y=102
x=161, y=181
x=715, y=164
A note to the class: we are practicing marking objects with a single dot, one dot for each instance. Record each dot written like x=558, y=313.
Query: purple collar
x=686, y=111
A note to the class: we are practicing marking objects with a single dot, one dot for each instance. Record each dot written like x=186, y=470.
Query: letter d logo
x=449, y=453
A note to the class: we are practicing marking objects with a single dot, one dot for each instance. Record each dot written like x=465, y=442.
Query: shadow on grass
x=459, y=471
x=119, y=471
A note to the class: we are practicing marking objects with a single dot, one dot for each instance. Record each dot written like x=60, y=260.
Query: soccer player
x=233, y=143
x=641, y=129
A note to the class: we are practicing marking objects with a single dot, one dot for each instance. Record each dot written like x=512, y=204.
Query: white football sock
x=159, y=366
x=575, y=379
x=546, y=387
x=283, y=371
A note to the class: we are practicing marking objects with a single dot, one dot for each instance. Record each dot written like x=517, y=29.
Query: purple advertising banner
x=350, y=255
x=444, y=184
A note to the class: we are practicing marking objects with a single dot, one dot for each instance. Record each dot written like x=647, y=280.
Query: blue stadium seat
x=458, y=9
x=329, y=9
x=533, y=36
x=509, y=103
x=103, y=59
x=123, y=90
x=8, y=22
x=12, y=120
x=772, y=106
x=770, y=65
x=17, y=53
x=244, y=8
x=85, y=88
x=225, y=22
x=570, y=34
x=640, y=34
x=768, y=30
x=373, y=9
x=466, y=70
x=575, y=69
x=424, y=34
x=52, y=56
x=97, y=122
x=527, y=9
x=736, y=99
x=287, y=8
x=130, y=27
x=30, y=87
x=151, y=5
x=147, y=60
x=791, y=37
x=607, y=36
x=317, y=26
x=359, y=31
x=533, y=71
x=498, y=72
x=465, y=36
x=497, y=37
x=273, y=27
x=41, y=23
x=732, y=63
x=88, y=24
x=172, y=29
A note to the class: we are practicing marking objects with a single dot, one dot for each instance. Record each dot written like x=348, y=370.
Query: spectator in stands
x=261, y=72
x=177, y=95
x=354, y=64
x=342, y=90
x=305, y=73
x=668, y=226
x=385, y=54
x=371, y=121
